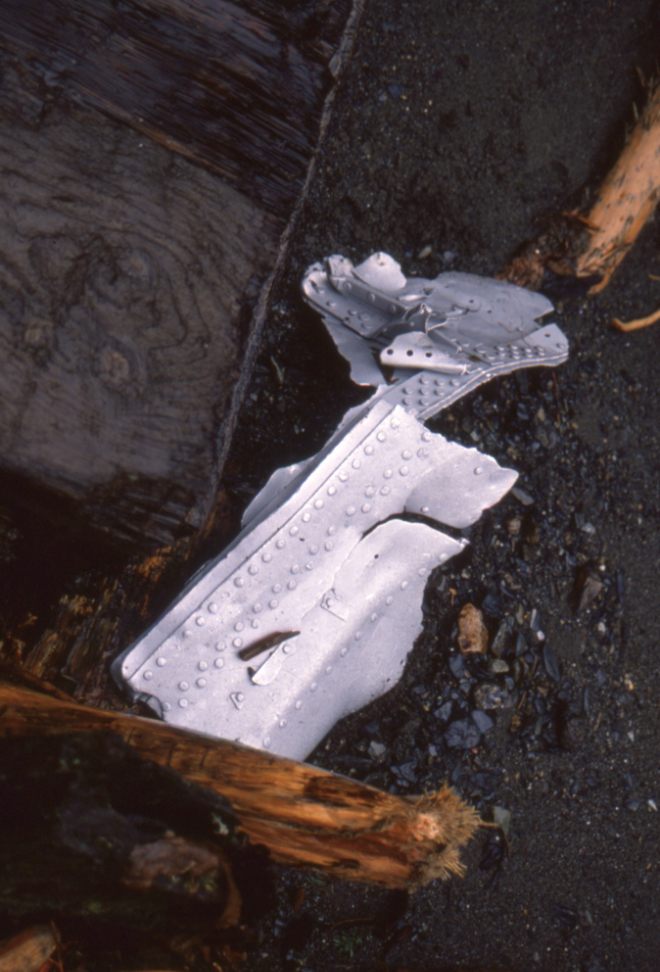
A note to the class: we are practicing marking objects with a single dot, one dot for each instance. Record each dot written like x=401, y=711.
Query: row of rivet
x=328, y=545
x=238, y=697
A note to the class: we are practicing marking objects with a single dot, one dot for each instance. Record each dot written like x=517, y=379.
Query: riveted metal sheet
x=289, y=700
x=311, y=612
x=281, y=573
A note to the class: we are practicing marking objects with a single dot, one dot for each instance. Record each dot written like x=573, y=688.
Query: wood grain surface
x=151, y=156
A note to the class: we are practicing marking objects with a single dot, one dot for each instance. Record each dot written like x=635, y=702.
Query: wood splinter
x=637, y=324
x=28, y=951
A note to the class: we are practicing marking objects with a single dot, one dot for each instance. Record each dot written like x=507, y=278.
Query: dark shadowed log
x=90, y=829
x=152, y=155
x=303, y=815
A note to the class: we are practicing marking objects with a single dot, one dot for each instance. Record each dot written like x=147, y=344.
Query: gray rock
x=522, y=496
x=406, y=771
x=490, y=695
x=444, y=711
x=457, y=665
x=551, y=663
x=462, y=734
x=502, y=641
x=376, y=749
x=483, y=722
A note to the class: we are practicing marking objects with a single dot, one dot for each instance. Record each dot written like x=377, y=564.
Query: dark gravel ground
x=456, y=127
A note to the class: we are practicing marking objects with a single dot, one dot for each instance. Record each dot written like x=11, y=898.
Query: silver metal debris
x=312, y=610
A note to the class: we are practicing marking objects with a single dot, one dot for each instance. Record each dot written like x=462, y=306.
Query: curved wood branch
x=625, y=201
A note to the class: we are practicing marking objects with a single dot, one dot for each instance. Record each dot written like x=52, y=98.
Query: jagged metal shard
x=311, y=612
x=452, y=333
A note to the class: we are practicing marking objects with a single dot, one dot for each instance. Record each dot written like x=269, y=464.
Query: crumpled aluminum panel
x=443, y=337
x=315, y=564
x=311, y=612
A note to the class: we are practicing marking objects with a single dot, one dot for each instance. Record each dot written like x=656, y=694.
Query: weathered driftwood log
x=152, y=155
x=152, y=159
x=303, y=815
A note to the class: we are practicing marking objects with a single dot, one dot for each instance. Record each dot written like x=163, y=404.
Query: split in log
x=304, y=816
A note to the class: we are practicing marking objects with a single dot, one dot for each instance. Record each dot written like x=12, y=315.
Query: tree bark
x=153, y=157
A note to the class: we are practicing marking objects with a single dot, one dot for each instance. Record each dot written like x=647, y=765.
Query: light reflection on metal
x=325, y=553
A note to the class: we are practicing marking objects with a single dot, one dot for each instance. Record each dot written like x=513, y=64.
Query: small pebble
x=502, y=819
x=376, y=749
x=457, y=665
x=587, y=588
x=444, y=712
x=489, y=695
x=407, y=771
x=482, y=721
x=462, y=734
x=502, y=640
x=513, y=525
x=522, y=496
x=551, y=663
x=472, y=632
x=492, y=604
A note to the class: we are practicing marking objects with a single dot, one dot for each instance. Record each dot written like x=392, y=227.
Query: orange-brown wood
x=592, y=244
x=27, y=951
x=637, y=324
x=625, y=201
x=305, y=816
